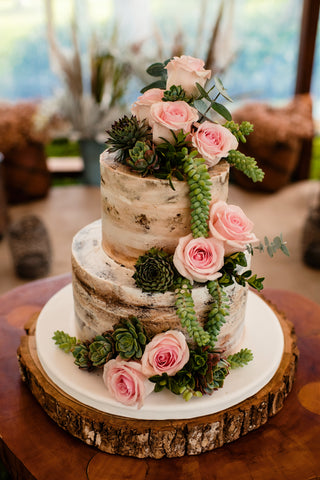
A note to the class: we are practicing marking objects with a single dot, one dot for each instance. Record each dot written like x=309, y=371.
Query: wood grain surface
x=32, y=446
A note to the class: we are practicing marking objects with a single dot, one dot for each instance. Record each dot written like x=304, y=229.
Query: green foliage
x=246, y=165
x=218, y=312
x=170, y=158
x=64, y=341
x=154, y=271
x=241, y=358
x=239, y=131
x=174, y=94
x=185, y=311
x=130, y=338
x=204, y=104
x=271, y=246
x=230, y=273
x=124, y=134
x=157, y=70
x=199, y=183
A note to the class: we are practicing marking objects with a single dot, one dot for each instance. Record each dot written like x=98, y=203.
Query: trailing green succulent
x=246, y=165
x=199, y=183
x=124, y=134
x=154, y=271
x=186, y=312
x=218, y=311
x=130, y=338
x=239, y=131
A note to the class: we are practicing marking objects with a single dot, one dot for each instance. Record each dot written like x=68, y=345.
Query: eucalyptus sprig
x=247, y=165
x=271, y=246
x=205, y=104
x=186, y=312
x=199, y=183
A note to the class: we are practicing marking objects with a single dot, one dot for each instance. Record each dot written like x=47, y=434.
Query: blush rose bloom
x=199, y=259
x=167, y=353
x=213, y=142
x=167, y=116
x=229, y=224
x=141, y=108
x=187, y=71
x=126, y=382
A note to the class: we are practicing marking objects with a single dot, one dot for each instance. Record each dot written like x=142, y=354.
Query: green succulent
x=81, y=355
x=175, y=93
x=142, y=158
x=101, y=350
x=124, y=134
x=154, y=271
x=130, y=338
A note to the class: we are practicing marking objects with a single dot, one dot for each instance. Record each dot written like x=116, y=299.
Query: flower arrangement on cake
x=179, y=130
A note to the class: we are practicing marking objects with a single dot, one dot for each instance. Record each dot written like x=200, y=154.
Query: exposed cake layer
x=139, y=213
x=104, y=292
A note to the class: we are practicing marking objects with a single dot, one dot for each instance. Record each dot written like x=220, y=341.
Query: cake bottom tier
x=54, y=381
x=104, y=292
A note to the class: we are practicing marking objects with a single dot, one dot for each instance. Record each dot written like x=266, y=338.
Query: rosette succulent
x=101, y=350
x=124, y=134
x=81, y=355
x=154, y=271
x=142, y=158
x=130, y=338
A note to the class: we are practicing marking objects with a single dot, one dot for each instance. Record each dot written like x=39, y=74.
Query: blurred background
x=70, y=68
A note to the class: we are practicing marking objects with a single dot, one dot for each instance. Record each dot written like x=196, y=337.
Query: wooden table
x=32, y=446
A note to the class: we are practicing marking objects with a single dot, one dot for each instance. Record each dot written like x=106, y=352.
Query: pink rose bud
x=167, y=352
x=199, y=259
x=126, y=382
x=213, y=142
x=141, y=108
x=187, y=71
x=229, y=224
x=167, y=116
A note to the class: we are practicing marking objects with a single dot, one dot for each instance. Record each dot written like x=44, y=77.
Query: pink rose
x=141, y=108
x=187, y=71
x=229, y=224
x=126, y=382
x=199, y=259
x=213, y=142
x=167, y=116
x=167, y=353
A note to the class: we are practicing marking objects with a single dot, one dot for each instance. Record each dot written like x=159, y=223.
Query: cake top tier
x=141, y=213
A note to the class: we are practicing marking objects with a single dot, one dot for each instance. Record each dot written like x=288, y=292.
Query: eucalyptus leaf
x=285, y=250
x=156, y=69
x=201, y=106
x=219, y=86
x=157, y=84
x=222, y=110
x=202, y=91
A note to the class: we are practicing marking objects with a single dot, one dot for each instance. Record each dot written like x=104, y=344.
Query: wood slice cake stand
x=158, y=438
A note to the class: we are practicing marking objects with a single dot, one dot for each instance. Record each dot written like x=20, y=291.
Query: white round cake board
x=263, y=335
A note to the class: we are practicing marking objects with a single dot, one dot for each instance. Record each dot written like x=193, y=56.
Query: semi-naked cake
x=138, y=214
x=160, y=282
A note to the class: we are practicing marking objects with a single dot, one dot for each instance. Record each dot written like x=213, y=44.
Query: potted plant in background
x=89, y=105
